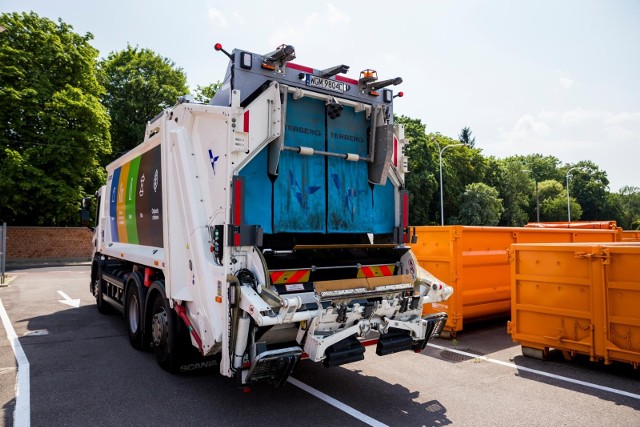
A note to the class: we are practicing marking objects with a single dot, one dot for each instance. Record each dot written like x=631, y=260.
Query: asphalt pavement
x=84, y=372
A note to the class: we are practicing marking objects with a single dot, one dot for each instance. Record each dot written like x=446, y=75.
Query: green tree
x=139, y=84
x=460, y=166
x=555, y=208
x=516, y=188
x=466, y=138
x=205, y=93
x=53, y=130
x=625, y=207
x=589, y=185
x=480, y=205
x=549, y=189
x=421, y=182
x=542, y=167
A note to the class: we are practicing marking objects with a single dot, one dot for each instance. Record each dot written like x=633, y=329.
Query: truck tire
x=99, y=288
x=164, y=332
x=133, y=317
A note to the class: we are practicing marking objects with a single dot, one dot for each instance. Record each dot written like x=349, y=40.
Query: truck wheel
x=165, y=335
x=133, y=317
x=99, y=288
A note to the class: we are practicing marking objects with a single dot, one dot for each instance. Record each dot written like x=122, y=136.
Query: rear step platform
x=274, y=366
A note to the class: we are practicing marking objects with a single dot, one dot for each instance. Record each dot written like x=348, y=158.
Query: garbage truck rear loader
x=266, y=226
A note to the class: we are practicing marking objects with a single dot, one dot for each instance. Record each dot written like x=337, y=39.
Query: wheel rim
x=96, y=288
x=133, y=314
x=159, y=328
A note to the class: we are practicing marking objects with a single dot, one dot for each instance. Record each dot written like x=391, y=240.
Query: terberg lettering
x=299, y=129
x=346, y=137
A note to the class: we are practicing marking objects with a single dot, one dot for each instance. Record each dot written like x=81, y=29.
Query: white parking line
x=22, y=412
x=541, y=373
x=337, y=404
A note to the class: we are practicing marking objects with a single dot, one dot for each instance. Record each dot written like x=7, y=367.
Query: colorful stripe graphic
x=136, y=200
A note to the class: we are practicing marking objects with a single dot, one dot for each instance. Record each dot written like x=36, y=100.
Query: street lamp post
x=537, y=201
x=535, y=178
x=568, y=199
x=440, y=151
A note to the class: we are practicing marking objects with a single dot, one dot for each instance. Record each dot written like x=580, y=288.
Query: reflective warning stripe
x=280, y=277
x=376, y=270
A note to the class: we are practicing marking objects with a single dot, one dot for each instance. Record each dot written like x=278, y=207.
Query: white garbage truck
x=266, y=226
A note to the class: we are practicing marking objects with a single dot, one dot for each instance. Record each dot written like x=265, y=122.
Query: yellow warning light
x=368, y=75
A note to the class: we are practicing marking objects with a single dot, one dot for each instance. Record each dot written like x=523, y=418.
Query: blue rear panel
x=257, y=191
x=318, y=194
x=383, y=208
x=349, y=195
x=299, y=193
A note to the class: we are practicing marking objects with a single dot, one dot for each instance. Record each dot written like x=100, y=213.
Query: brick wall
x=42, y=243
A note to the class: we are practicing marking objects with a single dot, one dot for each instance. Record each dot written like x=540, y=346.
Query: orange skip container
x=577, y=298
x=475, y=262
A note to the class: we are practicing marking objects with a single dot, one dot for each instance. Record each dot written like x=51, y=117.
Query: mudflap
x=346, y=351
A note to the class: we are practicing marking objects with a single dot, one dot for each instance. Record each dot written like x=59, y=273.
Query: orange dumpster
x=630, y=236
x=596, y=225
x=577, y=298
x=474, y=261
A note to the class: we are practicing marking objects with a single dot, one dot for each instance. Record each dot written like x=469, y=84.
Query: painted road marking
x=541, y=373
x=337, y=404
x=22, y=411
x=68, y=300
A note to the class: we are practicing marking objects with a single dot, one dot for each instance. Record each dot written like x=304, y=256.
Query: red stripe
x=395, y=151
x=299, y=67
x=246, y=121
x=275, y=275
x=385, y=270
x=347, y=80
x=237, y=202
x=297, y=276
x=367, y=272
x=405, y=210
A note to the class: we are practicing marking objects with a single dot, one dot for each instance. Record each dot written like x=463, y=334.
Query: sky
x=558, y=78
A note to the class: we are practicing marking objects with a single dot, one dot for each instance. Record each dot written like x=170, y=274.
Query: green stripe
x=130, y=201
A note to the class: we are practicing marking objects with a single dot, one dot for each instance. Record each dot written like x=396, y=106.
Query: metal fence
x=3, y=251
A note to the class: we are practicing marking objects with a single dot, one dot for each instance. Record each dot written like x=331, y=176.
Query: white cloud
x=286, y=35
x=237, y=17
x=564, y=81
x=608, y=139
x=217, y=17
x=304, y=32
x=621, y=118
x=312, y=19
x=577, y=124
x=526, y=128
x=337, y=16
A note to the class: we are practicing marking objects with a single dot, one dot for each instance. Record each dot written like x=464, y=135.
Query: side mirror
x=86, y=202
x=85, y=218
